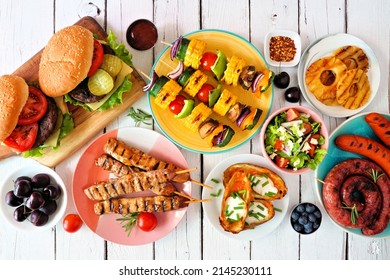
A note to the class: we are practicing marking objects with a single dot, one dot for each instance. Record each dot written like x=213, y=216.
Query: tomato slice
x=97, y=59
x=278, y=145
x=23, y=137
x=35, y=107
x=281, y=161
x=208, y=60
x=177, y=105
x=204, y=92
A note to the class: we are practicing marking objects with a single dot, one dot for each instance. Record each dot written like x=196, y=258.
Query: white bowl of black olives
x=34, y=198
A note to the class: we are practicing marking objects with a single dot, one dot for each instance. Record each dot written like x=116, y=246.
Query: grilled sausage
x=140, y=204
x=156, y=181
x=332, y=197
x=136, y=158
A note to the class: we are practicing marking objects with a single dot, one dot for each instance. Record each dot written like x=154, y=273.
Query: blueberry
x=309, y=225
x=317, y=214
x=312, y=217
x=316, y=225
x=300, y=208
x=302, y=220
x=310, y=208
x=298, y=227
x=294, y=216
x=305, y=214
x=308, y=230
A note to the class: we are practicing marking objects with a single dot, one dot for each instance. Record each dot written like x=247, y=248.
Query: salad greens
x=296, y=141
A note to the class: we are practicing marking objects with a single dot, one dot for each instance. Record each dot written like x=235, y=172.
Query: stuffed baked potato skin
x=257, y=170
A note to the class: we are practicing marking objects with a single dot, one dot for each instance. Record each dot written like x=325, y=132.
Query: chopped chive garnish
x=218, y=193
x=241, y=203
x=264, y=175
x=277, y=209
x=238, y=207
x=214, y=180
x=255, y=183
x=260, y=207
x=270, y=193
x=242, y=192
x=261, y=215
x=229, y=213
x=265, y=183
x=238, y=216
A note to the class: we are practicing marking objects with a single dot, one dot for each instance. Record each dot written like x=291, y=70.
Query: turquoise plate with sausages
x=354, y=125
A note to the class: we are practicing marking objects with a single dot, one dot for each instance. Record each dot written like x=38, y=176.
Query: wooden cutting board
x=87, y=124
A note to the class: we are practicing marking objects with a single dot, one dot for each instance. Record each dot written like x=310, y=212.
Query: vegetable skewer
x=232, y=72
x=194, y=118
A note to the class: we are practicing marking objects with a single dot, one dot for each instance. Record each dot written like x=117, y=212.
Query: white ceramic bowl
x=314, y=116
x=286, y=33
x=7, y=184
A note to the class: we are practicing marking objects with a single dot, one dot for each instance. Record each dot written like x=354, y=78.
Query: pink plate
x=87, y=173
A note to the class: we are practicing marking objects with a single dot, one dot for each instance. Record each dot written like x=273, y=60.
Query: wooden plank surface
x=87, y=124
x=25, y=26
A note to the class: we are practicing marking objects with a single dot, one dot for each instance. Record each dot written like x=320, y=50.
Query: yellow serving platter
x=230, y=44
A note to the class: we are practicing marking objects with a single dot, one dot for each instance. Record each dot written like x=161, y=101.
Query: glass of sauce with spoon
x=142, y=34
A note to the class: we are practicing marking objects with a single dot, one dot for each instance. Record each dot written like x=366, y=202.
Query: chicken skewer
x=157, y=181
x=149, y=204
x=114, y=166
x=136, y=158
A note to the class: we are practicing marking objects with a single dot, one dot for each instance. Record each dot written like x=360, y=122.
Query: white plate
x=31, y=169
x=287, y=33
x=324, y=47
x=213, y=209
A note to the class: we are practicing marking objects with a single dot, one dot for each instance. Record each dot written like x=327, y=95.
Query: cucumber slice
x=100, y=83
x=181, y=53
x=185, y=76
x=161, y=81
x=111, y=64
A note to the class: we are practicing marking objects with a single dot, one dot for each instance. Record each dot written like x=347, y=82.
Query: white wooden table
x=25, y=28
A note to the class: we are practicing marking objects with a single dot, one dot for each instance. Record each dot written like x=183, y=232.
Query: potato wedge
x=260, y=211
x=261, y=190
x=235, y=203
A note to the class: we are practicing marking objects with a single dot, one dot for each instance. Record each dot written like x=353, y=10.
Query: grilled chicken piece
x=157, y=181
x=140, y=204
x=114, y=166
x=136, y=158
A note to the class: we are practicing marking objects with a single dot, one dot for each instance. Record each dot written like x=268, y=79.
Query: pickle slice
x=111, y=64
x=100, y=83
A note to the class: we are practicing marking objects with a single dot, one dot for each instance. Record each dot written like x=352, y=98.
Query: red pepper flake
x=282, y=49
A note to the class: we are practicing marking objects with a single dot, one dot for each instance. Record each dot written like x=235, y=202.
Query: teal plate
x=358, y=126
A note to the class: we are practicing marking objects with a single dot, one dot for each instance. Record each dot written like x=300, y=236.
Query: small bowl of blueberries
x=305, y=218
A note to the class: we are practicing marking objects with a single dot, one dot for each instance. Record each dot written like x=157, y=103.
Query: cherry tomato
x=307, y=128
x=147, y=221
x=208, y=60
x=278, y=145
x=204, y=92
x=22, y=137
x=177, y=105
x=35, y=107
x=97, y=59
x=72, y=223
x=281, y=161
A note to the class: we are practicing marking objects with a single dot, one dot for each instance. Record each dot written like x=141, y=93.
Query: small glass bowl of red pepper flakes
x=282, y=48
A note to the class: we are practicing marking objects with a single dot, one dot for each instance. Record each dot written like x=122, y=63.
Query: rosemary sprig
x=374, y=174
x=128, y=221
x=139, y=116
x=354, y=212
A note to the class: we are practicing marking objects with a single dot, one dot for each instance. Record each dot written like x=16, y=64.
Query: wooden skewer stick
x=184, y=195
x=166, y=43
x=319, y=180
x=186, y=170
x=201, y=184
x=143, y=74
x=198, y=200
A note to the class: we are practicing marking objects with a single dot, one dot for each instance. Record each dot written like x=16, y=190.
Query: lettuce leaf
x=66, y=127
x=119, y=49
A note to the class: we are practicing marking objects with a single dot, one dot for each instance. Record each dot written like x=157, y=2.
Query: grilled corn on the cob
x=225, y=101
x=167, y=94
x=233, y=70
x=195, y=82
x=200, y=113
x=194, y=53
